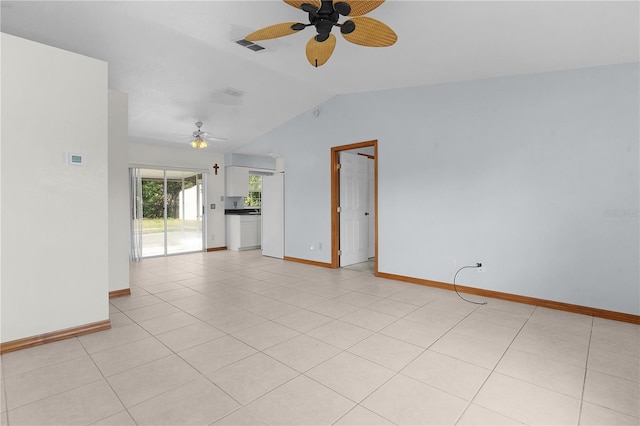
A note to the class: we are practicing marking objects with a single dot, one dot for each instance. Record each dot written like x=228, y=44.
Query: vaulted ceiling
x=179, y=61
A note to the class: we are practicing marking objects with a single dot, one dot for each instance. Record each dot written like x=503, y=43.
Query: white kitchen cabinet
x=237, y=181
x=244, y=232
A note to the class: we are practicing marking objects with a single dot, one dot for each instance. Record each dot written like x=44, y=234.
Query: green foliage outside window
x=254, y=199
x=153, y=197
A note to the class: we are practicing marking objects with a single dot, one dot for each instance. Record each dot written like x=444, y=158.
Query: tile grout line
x=398, y=372
x=333, y=356
x=49, y=366
x=174, y=353
x=201, y=374
x=104, y=378
x=586, y=370
x=492, y=371
x=205, y=377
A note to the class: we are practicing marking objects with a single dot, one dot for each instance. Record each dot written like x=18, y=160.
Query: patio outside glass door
x=184, y=212
x=172, y=210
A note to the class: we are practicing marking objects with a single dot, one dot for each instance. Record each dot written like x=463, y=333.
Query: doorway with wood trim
x=347, y=203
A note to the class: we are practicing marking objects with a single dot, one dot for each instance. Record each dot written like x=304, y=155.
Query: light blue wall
x=536, y=176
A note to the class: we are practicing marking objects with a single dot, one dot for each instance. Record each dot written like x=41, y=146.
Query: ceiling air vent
x=250, y=45
x=236, y=93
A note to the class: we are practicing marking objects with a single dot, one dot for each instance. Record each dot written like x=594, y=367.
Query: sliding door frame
x=166, y=169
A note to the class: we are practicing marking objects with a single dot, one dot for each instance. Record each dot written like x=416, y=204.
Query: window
x=254, y=199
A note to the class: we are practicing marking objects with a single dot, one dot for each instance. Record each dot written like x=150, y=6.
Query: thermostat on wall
x=75, y=159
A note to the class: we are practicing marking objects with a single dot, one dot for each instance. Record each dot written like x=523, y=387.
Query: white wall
x=535, y=176
x=118, y=191
x=251, y=161
x=54, y=216
x=141, y=154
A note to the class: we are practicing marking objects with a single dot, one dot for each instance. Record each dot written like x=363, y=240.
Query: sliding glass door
x=184, y=211
x=171, y=211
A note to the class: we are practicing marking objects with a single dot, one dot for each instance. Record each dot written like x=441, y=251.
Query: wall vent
x=250, y=45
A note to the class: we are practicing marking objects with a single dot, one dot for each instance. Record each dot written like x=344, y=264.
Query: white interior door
x=354, y=214
x=371, y=200
x=273, y=215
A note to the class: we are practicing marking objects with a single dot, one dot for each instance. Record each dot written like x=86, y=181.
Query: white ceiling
x=175, y=59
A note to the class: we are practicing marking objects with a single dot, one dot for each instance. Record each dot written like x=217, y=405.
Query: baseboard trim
x=308, y=262
x=217, y=248
x=41, y=339
x=561, y=306
x=120, y=293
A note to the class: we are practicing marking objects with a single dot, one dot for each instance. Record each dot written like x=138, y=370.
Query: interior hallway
x=237, y=338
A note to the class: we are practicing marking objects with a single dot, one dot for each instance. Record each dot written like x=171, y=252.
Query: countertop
x=242, y=212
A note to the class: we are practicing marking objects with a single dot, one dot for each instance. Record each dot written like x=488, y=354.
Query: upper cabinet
x=237, y=181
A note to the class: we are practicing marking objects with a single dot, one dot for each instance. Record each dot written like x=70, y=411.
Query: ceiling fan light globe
x=194, y=144
x=203, y=144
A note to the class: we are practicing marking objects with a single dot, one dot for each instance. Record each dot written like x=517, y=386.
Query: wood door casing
x=335, y=199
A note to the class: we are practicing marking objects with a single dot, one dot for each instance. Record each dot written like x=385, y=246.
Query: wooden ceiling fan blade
x=273, y=31
x=369, y=32
x=209, y=137
x=361, y=7
x=318, y=53
x=298, y=3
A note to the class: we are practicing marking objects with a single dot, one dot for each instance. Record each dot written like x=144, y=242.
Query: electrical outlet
x=319, y=246
x=482, y=269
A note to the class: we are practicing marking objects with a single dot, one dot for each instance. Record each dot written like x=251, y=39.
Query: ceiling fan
x=199, y=138
x=324, y=15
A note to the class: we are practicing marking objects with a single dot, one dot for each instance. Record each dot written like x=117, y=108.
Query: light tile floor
x=230, y=338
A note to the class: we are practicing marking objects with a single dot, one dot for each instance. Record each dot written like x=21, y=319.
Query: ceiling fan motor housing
x=197, y=133
x=324, y=19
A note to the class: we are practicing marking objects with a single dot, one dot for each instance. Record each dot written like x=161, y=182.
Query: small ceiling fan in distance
x=324, y=15
x=199, y=139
